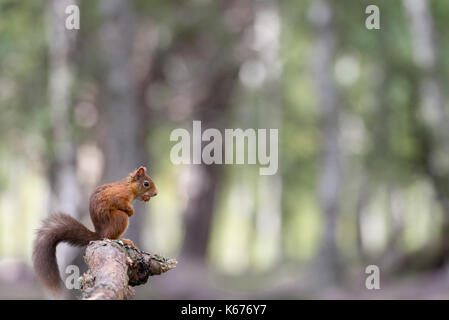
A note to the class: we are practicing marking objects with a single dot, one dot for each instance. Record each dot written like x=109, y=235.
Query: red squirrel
x=109, y=207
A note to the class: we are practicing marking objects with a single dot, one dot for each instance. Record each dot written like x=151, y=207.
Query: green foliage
x=378, y=89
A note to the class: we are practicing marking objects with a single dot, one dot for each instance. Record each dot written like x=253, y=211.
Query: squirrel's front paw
x=128, y=242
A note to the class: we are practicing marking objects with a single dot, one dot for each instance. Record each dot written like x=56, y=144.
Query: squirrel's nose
x=154, y=192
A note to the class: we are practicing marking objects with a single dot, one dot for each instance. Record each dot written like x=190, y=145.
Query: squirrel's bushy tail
x=55, y=229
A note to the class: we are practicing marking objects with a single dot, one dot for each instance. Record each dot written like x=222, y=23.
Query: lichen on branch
x=115, y=268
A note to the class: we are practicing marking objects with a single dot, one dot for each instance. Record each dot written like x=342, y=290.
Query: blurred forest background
x=363, y=140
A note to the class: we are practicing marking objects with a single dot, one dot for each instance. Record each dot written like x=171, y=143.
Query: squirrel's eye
x=146, y=184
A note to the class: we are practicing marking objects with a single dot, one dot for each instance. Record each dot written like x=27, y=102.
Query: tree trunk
x=432, y=105
x=269, y=111
x=212, y=110
x=124, y=136
x=321, y=16
x=65, y=195
x=204, y=178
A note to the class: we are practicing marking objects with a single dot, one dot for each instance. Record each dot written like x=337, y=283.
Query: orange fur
x=109, y=207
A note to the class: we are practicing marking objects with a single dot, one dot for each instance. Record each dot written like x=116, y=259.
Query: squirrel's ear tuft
x=140, y=172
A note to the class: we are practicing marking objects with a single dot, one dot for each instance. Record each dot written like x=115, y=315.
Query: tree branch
x=115, y=268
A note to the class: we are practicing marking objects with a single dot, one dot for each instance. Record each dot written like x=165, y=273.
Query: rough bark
x=115, y=268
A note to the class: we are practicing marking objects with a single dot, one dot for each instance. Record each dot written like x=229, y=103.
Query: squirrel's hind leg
x=117, y=225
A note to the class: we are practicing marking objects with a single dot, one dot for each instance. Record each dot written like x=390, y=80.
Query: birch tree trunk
x=267, y=30
x=432, y=104
x=432, y=107
x=65, y=192
x=321, y=15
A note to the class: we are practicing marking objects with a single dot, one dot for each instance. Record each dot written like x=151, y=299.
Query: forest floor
x=428, y=285
x=176, y=285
